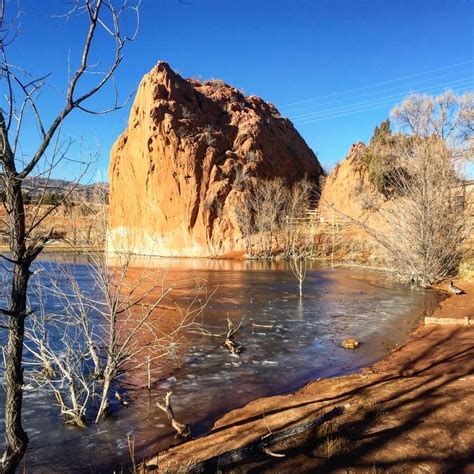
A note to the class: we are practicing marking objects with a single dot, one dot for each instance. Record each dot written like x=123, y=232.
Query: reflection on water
x=288, y=341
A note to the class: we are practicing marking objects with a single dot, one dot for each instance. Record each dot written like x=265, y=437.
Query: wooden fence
x=315, y=219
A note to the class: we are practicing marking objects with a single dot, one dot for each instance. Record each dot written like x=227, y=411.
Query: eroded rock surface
x=347, y=189
x=179, y=170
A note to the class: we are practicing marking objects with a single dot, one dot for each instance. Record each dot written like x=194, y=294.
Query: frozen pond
x=299, y=343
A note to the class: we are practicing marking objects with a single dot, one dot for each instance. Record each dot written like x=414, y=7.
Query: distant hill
x=35, y=186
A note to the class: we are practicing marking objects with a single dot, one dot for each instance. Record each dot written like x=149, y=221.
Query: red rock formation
x=176, y=172
x=348, y=190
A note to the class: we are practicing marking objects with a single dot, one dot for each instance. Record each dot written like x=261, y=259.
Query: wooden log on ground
x=259, y=446
x=466, y=321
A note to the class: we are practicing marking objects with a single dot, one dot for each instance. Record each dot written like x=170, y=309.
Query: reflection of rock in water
x=301, y=344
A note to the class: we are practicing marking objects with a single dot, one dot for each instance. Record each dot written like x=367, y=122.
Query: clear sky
x=334, y=67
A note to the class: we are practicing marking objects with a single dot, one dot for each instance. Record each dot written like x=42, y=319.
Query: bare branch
x=182, y=430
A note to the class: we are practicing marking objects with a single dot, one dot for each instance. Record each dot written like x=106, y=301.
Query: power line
x=378, y=83
x=362, y=109
x=371, y=93
x=374, y=101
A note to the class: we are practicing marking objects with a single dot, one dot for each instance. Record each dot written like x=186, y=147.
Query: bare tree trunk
x=26, y=237
x=104, y=399
x=17, y=439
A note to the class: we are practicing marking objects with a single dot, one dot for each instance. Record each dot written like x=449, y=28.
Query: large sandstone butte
x=177, y=172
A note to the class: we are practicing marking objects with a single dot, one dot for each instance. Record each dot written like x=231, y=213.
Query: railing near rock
x=314, y=218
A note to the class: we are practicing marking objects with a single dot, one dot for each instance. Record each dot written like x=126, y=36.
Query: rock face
x=348, y=190
x=178, y=171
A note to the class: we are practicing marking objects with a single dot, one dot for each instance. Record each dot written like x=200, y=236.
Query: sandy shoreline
x=411, y=412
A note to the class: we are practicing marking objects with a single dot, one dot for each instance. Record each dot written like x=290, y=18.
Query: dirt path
x=412, y=412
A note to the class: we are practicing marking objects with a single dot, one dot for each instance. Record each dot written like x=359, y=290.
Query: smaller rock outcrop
x=348, y=190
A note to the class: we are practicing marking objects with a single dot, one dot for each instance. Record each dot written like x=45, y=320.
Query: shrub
x=53, y=199
x=240, y=176
x=380, y=158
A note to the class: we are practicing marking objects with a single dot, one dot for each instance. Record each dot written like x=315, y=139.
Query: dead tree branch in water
x=229, y=343
x=298, y=267
x=96, y=335
x=182, y=430
x=234, y=348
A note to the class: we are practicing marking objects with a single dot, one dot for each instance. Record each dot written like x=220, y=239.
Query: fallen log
x=259, y=446
x=466, y=321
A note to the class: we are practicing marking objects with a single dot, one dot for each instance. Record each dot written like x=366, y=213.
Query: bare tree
x=60, y=366
x=271, y=216
x=298, y=267
x=104, y=20
x=97, y=335
x=424, y=227
x=86, y=217
x=440, y=133
x=267, y=198
x=245, y=219
x=448, y=116
x=298, y=231
x=424, y=224
x=294, y=225
x=274, y=218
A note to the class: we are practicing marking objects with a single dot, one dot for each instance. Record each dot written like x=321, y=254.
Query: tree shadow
x=419, y=412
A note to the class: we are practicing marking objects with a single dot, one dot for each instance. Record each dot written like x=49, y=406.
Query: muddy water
x=288, y=341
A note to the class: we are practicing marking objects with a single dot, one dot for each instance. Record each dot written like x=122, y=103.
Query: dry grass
x=337, y=437
x=334, y=439
x=335, y=446
x=368, y=409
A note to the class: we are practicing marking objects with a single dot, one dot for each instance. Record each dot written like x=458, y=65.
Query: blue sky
x=334, y=67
